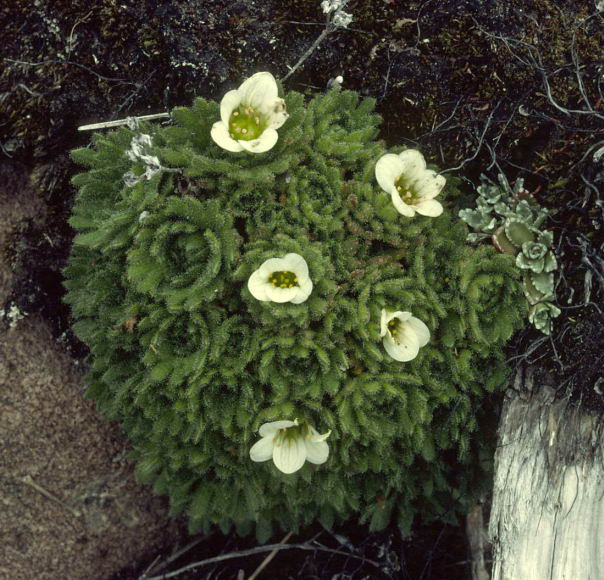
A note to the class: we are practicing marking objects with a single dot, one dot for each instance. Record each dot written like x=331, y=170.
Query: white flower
x=290, y=445
x=412, y=186
x=403, y=335
x=250, y=116
x=281, y=280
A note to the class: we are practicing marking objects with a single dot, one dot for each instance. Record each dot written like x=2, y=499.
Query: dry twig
x=260, y=550
x=268, y=559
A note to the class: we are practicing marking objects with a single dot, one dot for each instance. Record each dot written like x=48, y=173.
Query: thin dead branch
x=260, y=550
x=268, y=559
x=28, y=480
x=329, y=28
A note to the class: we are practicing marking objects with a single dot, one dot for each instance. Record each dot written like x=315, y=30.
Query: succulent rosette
x=541, y=315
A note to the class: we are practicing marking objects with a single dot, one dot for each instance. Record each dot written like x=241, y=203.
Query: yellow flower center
x=246, y=123
x=407, y=193
x=283, y=279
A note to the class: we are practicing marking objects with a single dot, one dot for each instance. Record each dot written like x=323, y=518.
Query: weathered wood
x=547, y=518
x=118, y=122
x=476, y=534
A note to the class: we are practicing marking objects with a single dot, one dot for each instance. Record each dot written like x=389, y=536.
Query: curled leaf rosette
x=489, y=285
x=184, y=252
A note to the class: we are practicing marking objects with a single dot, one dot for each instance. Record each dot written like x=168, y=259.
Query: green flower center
x=283, y=279
x=408, y=195
x=289, y=434
x=246, y=123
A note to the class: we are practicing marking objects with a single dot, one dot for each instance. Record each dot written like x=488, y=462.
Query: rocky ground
x=480, y=86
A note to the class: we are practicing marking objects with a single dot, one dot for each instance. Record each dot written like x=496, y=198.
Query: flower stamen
x=283, y=279
x=408, y=194
x=394, y=328
x=247, y=124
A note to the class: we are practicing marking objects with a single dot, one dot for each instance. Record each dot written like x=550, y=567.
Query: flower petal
x=304, y=291
x=430, y=208
x=402, y=316
x=297, y=264
x=384, y=322
x=281, y=295
x=274, y=426
x=276, y=113
x=413, y=163
x=272, y=265
x=228, y=104
x=400, y=205
x=258, y=90
x=420, y=329
x=315, y=436
x=387, y=170
x=262, y=450
x=316, y=452
x=429, y=185
x=289, y=455
x=406, y=349
x=220, y=134
x=262, y=144
x=257, y=285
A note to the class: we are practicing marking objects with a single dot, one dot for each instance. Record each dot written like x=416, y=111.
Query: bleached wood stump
x=547, y=517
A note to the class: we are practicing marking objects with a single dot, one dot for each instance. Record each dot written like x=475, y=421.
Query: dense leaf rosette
x=183, y=252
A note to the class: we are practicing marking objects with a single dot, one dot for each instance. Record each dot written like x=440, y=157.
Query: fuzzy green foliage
x=191, y=364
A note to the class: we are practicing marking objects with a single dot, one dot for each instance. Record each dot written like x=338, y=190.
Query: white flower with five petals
x=281, y=280
x=290, y=444
x=250, y=116
x=403, y=335
x=412, y=186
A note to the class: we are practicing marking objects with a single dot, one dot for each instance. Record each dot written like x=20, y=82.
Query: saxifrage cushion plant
x=285, y=320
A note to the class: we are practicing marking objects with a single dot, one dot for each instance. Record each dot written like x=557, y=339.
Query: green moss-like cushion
x=191, y=364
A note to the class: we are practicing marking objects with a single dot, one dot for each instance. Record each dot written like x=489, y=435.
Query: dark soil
x=481, y=86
